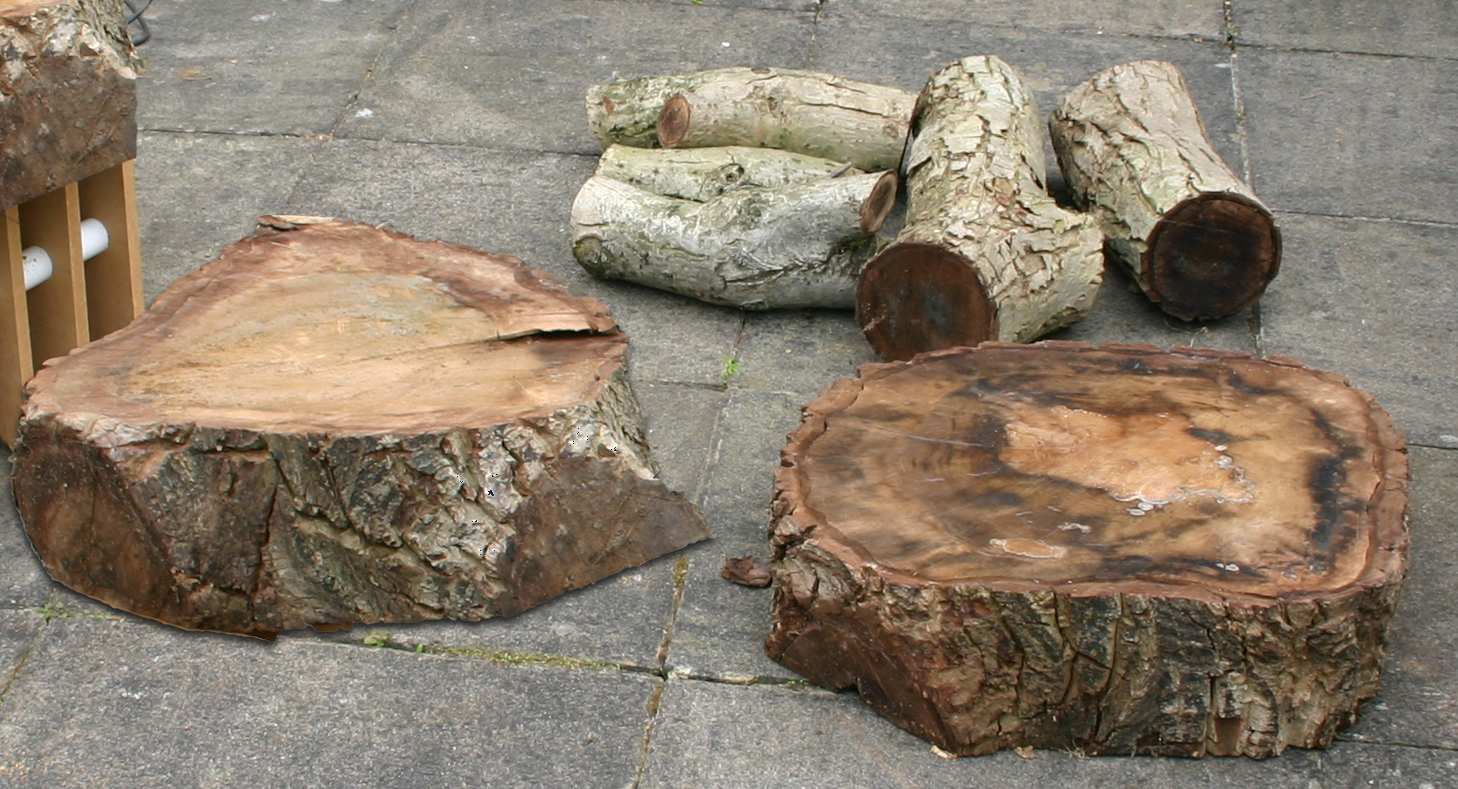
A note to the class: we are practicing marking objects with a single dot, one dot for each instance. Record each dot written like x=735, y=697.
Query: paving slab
x=1352, y=135
x=513, y=73
x=17, y=635
x=1121, y=313
x=23, y=582
x=904, y=51
x=114, y=704
x=1375, y=302
x=720, y=735
x=797, y=353
x=720, y=628
x=1417, y=27
x=1418, y=704
x=197, y=193
x=1204, y=18
x=221, y=65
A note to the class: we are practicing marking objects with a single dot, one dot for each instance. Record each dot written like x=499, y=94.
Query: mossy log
x=333, y=424
x=801, y=245
x=68, y=94
x=1111, y=550
x=805, y=112
x=1136, y=156
x=985, y=253
x=705, y=173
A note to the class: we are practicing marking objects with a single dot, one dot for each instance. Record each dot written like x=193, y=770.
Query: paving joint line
x=21, y=661
x=1363, y=218
x=1394, y=744
x=1353, y=52
x=655, y=702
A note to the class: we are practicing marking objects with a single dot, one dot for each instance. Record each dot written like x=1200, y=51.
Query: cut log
x=798, y=246
x=801, y=111
x=68, y=97
x=985, y=253
x=1115, y=550
x=335, y=424
x=1136, y=156
x=705, y=173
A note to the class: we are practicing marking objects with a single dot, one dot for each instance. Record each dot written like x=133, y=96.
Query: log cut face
x=1116, y=550
x=68, y=97
x=985, y=253
x=335, y=424
x=1136, y=156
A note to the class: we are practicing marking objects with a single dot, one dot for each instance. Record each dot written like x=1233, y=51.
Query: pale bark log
x=1111, y=550
x=797, y=246
x=68, y=97
x=1137, y=157
x=332, y=425
x=985, y=253
x=801, y=111
x=705, y=173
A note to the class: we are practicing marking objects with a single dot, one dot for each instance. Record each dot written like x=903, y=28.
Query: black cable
x=144, y=33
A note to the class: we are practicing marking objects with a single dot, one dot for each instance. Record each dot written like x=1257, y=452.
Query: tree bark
x=68, y=97
x=798, y=246
x=1115, y=550
x=800, y=111
x=334, y=424
x=985, y=253
x=703, y=174
x=1136, y=156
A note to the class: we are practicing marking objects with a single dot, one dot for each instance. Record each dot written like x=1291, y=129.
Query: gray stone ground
x=462, y=120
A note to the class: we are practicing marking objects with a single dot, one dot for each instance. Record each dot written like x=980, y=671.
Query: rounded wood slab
x=336, y=424
x=1114, y=549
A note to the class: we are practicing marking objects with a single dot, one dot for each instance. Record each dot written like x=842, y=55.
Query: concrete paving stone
x=17, y=634
x=197, y=193
x=113, y=704
x=1418, y=704
x=1417, y=27
x=721, y=627
x=1121, y=313
x=798, y=353
x=23, y=582
x=709, y=734
x=514, y=203
x=1373, y=301
x=905, y=51
x=1142, y=17
x=1352, y=135
x=221, y=65
x=513, y=73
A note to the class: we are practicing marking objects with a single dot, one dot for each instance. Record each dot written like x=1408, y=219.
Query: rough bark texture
x=68, y=98
x=1136, y=156
x=801, y=111
x=705, y=173
x=985, y=253
x=335, y=424
x=797, y=246
x=1116, y=550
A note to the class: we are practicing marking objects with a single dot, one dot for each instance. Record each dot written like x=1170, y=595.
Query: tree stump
x=335, y=424
x=801, y=111
x=801, y=245
x=702, y=174
x=1116, y=550
x=68, y=94
x=1136, y=156
x=985, y=253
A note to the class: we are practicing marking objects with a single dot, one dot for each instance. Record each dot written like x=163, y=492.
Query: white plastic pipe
x=37, y=263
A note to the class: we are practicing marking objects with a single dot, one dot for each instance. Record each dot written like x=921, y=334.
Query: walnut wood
x=336, y=424
x=1112, y=549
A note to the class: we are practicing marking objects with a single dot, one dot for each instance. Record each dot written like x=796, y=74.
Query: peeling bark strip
x=801, y=111
x=1111, y=549
x=705, y=173
x=801, y=245
x=985, y=252
x=68, y=96
x=1136, y=155
x=333, y=424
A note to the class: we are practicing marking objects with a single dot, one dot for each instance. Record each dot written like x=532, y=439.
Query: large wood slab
x=336, y=424
x=1116, y=549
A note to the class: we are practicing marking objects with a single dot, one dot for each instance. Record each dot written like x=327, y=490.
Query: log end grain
x=915, y=296
x=1110, y=549
x=674, y=121
x=1211, y=255
x=877, y=206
